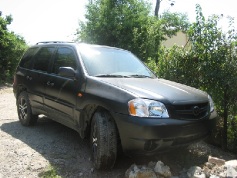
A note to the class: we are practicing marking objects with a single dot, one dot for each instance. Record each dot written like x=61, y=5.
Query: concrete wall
x=180, y=39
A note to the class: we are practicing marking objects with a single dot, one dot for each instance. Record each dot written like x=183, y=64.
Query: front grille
x=189, y=111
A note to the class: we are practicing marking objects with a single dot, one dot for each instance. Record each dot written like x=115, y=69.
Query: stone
x=129, y=170
x=232, y=163
x=216, y=161
x=162, y=170
x=223, y=175
x=214, y=168
x=80, y=174
x=183, y=174
x=135, y=172
x=219, y=171
x=231, y=172
x=214, y=176
x=207, y=171
x=209, y=165
x=152, y=164
x=196, y=172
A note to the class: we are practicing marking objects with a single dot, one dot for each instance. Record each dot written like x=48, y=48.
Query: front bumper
x=147, y=136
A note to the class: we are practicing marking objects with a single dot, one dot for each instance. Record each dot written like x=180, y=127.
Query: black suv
x=108, y=94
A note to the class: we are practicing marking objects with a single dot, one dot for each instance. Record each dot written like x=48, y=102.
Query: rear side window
x=26, y=61
x=64, y=57
x=42, y=58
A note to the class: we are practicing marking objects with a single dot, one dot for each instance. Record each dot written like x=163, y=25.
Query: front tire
x=24, y=110
x=103, y=141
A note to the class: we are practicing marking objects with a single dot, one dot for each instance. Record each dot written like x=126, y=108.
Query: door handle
x=50, y=83
x=28, y=77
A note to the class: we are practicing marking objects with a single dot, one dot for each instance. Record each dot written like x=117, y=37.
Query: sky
x=44, y=20
x=48, y=20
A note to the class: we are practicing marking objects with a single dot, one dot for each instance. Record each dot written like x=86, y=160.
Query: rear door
x=24, y=69
x=61, y=92
x=38, y=75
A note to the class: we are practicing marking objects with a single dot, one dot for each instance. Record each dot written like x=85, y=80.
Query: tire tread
x=107, y=145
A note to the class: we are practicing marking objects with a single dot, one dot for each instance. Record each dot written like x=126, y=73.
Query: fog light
x=150, y=145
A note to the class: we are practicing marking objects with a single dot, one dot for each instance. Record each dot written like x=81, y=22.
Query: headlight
x=147, y=108
x=211, y=103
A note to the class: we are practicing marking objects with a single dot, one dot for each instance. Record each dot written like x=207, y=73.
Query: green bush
x=210, y=64
x=12, y=47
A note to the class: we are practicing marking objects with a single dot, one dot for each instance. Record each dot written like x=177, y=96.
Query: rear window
x=26, y=61
x=42, y=58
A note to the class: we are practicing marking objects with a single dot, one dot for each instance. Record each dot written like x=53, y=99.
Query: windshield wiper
x=140, y=76
x=112, y=75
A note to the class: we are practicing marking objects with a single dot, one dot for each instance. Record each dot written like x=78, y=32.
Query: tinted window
x=26, y=60
x=42, y=58
x=64, y=58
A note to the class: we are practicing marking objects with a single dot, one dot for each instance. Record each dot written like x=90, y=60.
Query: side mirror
x=66, y=72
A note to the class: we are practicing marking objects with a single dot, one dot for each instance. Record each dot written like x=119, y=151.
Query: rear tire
x=103, y=141
x=24, y=110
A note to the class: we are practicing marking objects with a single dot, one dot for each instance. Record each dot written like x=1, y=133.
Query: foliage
x=157, y=7
x=174, y=22
x=128, y=25
x=12, y=47
x=175, y=64
x=210, y=64
x=50, y=173
x=232, y=133
x=116, y=23
x=217, y=62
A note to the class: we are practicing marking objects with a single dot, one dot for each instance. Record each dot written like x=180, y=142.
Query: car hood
x=159, y=89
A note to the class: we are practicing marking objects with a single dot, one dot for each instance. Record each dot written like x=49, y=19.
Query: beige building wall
x=180, y=39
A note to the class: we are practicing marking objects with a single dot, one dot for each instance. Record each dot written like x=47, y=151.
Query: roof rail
x=45, y=42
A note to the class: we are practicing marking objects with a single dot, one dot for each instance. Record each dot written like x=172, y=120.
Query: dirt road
x=29, y=151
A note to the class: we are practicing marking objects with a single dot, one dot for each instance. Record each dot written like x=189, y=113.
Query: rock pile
x=214, y=168
x=153, y=170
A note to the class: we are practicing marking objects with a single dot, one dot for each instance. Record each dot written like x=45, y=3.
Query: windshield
x=112, y=62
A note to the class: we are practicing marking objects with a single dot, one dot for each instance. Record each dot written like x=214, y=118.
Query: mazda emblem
x=196, y=110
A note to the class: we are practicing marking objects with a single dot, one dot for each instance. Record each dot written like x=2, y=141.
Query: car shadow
x=70, y=155
x=63, y=148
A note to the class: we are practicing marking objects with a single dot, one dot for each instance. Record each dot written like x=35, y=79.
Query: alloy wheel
x=23, y=109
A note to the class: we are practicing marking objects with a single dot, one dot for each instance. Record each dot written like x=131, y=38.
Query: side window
x=42, y=58
x=64, y=57
x=26, y=61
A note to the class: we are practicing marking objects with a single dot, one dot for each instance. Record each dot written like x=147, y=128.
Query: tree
x=210, y=64
x=174, y=22
x=129, y=25
x=157, y=8
x=119, y=23
x=217, y=57
x=12, y=47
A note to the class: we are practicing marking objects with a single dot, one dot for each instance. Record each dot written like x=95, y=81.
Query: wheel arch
x=86, y=118
x=19, y=89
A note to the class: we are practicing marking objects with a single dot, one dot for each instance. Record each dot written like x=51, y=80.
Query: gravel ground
x=30, y=151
